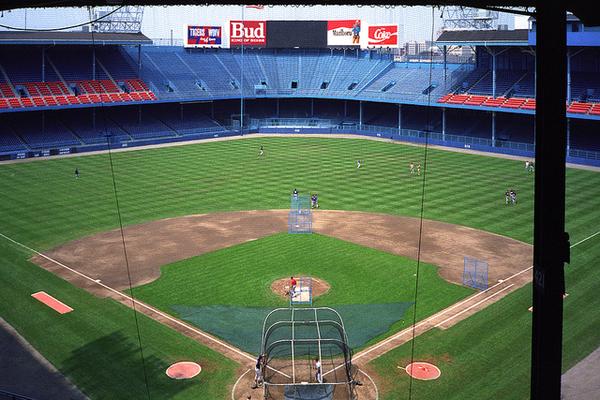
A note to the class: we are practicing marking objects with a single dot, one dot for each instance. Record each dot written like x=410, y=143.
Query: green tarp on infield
x=242, y=326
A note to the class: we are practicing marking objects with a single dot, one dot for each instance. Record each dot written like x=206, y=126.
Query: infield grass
x=43, y=205
x=242, y=275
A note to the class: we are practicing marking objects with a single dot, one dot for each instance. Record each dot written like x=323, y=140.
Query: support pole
x=443, y=124
x=568, y=78
x=445, y=52
x=43, y=64
x=312, y=107
x=94, y=63
x=360, y=114
x=139, y=63
x=242, y=76
x=345, y=108
x=493, y=128
x=551, y=245
x=400, y=119
x=277, y=106
x=568, y=136
x=494, y=75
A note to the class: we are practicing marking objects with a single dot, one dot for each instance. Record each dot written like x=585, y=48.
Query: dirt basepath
x=154, y=244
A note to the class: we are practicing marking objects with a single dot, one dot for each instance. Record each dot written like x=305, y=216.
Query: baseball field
x=205, y=234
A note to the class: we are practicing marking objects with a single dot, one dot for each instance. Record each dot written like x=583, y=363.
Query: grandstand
x=486, y=105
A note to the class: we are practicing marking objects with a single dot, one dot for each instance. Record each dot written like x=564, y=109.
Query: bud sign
x=248, y=33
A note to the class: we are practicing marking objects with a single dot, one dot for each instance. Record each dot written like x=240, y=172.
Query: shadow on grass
x=111, y=368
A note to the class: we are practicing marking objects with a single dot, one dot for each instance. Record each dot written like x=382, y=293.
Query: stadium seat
x=528, y=105
x=475, y=100
x=494, y=102
x=26, y=101
x=595, y=110
x=14, y=102
x=50, y=100
x=458, y=99
x=4, y=103
x=579, y=108
x=38, y=101
x=444, y=98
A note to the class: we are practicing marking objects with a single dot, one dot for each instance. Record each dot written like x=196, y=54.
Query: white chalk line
x=585, y=240
x=236, y=383
x=474, y=305
x=372, y=381
x=442, y=312
x=136, y=302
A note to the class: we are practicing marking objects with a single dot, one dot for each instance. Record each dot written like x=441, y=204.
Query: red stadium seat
x=444, y=98
x=579, y=108
x=84, y=99
x=38, y=101
x=4, y=103
x=50, y=100
x=14, y=102
x=135, y=96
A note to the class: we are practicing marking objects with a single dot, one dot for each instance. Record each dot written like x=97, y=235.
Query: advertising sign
x=203, y=36
x=343, y=33
x=297, y=34
x=382, y=36
x=248, y=33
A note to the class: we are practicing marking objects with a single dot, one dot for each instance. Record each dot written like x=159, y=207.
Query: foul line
x=585, y=240
x=166, y=316
x=460, y=303
x=474, y=305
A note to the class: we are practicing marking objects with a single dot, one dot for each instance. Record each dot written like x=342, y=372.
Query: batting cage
x=475, y=273
x=306, y=355
x=300, y=215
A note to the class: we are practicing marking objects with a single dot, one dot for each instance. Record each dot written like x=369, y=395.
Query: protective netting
x=242, y=326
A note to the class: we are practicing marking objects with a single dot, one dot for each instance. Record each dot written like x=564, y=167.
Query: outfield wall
x=405, y=135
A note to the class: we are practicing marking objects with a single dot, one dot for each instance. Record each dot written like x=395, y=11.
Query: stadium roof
x=517, y=37
x=71, y=38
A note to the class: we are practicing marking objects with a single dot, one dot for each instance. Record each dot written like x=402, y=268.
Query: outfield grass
x=242, y=275
x=43, y=206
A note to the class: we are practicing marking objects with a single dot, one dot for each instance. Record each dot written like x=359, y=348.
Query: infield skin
x=423, y=371
x=183, y=370
x=51, y=302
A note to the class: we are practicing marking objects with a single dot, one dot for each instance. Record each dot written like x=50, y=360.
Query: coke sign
x=383, y=35
x=248, y=33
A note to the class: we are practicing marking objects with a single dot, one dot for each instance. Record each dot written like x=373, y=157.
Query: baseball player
x=318, y=372
x=412, y=168
x=295, y=193
x=77, y=173
x=358, y=164
x=258, y=378
x=531, y=166
x=261, y=151
x=513, y=196
x=293, y=284
x=507, y=197
x=419, y=169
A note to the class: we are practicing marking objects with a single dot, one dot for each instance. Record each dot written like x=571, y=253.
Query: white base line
x=236, y=383
x=166, y=316
x=474, y=305
x=585, y=240
x=444, y=311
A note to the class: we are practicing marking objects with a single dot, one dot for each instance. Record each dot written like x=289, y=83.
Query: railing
x=4, y=395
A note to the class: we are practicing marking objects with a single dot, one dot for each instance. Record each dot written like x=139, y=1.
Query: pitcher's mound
x=183, y=370
x=423, y=371
x=281, y=287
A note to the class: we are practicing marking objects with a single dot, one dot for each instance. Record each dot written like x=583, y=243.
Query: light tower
x=466, y=18
x=126, y=19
